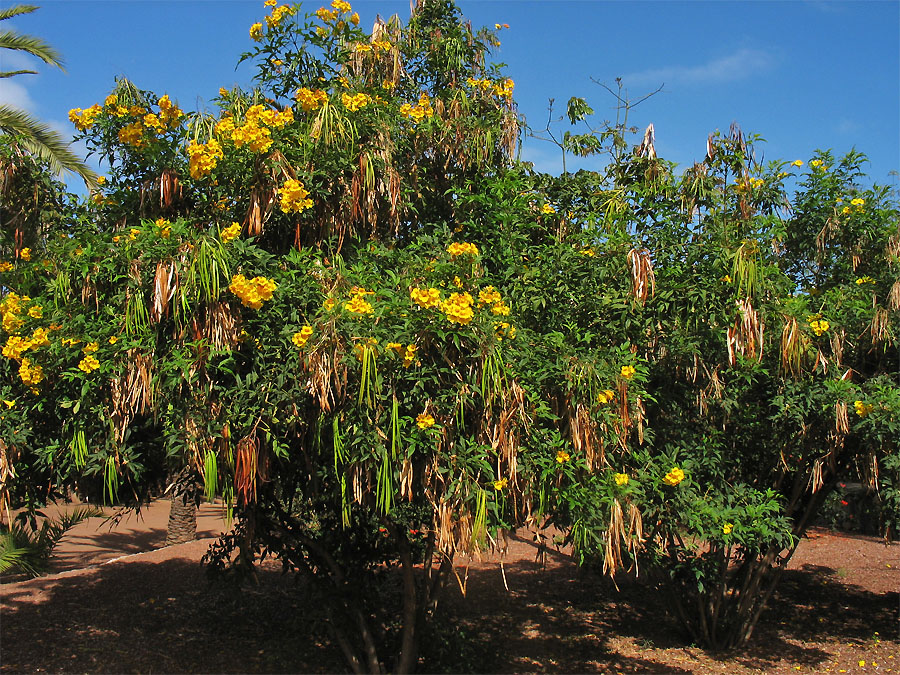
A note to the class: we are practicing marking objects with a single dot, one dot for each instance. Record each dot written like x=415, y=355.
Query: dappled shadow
x=160, y=617
x=562, y=619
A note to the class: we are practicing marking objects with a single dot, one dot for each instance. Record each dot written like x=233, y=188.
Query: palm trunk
x=182, y=520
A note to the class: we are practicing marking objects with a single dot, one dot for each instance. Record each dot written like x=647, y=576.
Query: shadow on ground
x=165, y=617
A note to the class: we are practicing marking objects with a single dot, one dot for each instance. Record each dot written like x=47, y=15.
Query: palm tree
x=32, y=135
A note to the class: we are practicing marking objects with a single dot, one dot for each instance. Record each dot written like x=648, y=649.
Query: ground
x=116, y=602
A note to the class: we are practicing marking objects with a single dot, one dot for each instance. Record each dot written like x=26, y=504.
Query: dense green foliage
x=383, y=340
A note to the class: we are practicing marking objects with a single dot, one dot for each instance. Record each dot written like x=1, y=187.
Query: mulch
x=114, y=610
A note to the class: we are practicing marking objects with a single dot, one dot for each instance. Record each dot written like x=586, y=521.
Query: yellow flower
x=14, y=347
x=621, y=478
x=727, y=528
x=294, y=197
x=341, y=6
x=627, y=372
x=458, y=308
x=88, y=364
x=270, y=3
x=90, y=347
x=9, y=404
x=797, y=162
x=501, y=308
x=5, y=266
x=548, y=208
x=233, y=231
x=25, y=253
x=252, y=292
x=354, y=19
x=862, y=409
x=865, y=280
x=461, y=248
x=424, y=421
x=256, y=31
x=358, y=303
x=589, y=252
x=133, y=233
x=354, y=102
x=562, y=457
x=328, y=305
x=819, y=326
x=674, y=477
x=35, y=311
x=39, y=338
x=409, y=356
x=113, y=340
x=427, y=299
x=500, y=484
x=299, y=339
x=29, y=373
x=606, y=396
x=816, y=163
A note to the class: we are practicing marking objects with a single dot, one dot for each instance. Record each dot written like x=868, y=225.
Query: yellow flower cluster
x=504, y=331
x=606, y=396
x=750, y=184
x=164, y=227
x=10, y=308
x=84, y=119
x=231, y=232
x=863, y=409
x=14, y=347
x=419, y=111
x=620, y=478
x=500, y=309
x=88, y=364
x=458, y=308
x=294, y=197
x=500, y=484
x=816, y=164
x=424, y=421
x=299, y=339
x=503, y=89
x=548, y=209
x=674, y=477
x=328, y=304
x=797, y=162
x=354, y=102
x=133, y=135
x=727, y=528
x=311, y=99
x=461, y=248
x=865, y=280
x=856, y=206
x=252, y=292
x=489, y=296
x=627, y=372
x=25, y=254
x=278, y=14
x=358, y=303
x=5, y=266
x=818, y=324
x=256, y=31
x=562, y=457
x=427, y=299
x=409, y=356
x=204, y=157
x=30, y=373
x=589, y=252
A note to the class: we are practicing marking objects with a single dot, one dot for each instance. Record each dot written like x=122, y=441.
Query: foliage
x=26, y=548
x=385, y=342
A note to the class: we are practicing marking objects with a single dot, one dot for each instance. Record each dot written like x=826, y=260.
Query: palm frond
x=13, y=73
x=41, y=141
x=31, y=45
x=17, y=10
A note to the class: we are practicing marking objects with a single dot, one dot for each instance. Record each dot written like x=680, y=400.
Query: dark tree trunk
x=182, y=520
x=183, y=512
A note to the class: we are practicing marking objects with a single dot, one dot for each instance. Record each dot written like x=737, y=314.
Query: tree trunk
x=182, y=520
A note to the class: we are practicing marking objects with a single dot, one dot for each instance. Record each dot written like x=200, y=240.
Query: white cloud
x=736, y=66
x=16, y=95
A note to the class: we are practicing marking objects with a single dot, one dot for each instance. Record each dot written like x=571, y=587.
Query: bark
x=182, y=520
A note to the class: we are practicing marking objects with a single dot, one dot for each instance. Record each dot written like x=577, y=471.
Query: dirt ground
x=117, y=602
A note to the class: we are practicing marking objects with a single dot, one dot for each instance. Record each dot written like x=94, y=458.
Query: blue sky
x=804, y=75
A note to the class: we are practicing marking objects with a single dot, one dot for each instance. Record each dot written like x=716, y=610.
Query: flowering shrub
x=267, y=296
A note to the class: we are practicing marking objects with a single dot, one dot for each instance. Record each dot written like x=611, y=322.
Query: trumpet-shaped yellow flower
x=674, y=477
x=627, y=372
x=620, y=478
x=424, y=421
